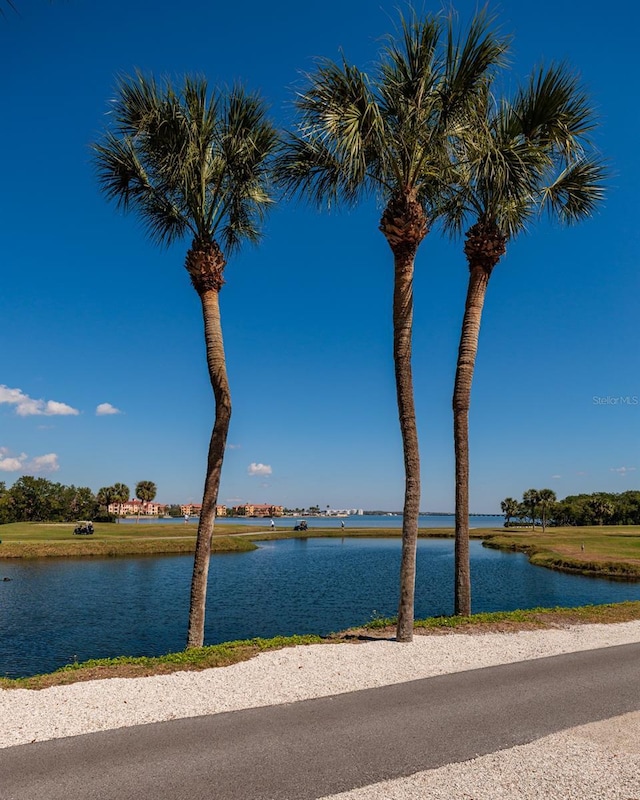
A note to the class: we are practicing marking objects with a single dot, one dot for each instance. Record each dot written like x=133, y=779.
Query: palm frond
x=330, y=155
x=553, y=109
x=471, y=62
x=9, y=4
x=577, y=190
x=410, y=75
x=122, y=178
x=137, y=105
x=410, y=64
x=308, y=169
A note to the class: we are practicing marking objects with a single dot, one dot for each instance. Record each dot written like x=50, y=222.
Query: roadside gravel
x=599, y=761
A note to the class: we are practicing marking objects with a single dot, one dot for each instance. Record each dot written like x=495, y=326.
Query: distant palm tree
x=600, y=508
x=146, y=492
x=198, y=166
x=530, y=500
x=121, y=494
x=386, y=136
x=106, y=496
x=518, y=158
x=546, y=498
x=509, y=508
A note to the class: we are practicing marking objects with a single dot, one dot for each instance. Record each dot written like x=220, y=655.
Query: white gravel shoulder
x=281, y=676
x=599, y=761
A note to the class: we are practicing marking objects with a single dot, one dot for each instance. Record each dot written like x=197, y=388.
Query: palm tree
x=120, y=494
x=509, y=508
x=600, y=508
x=530, y=500
x=515, y=160
x=146, y=492
x=195, y=165
x=106, y=496
x=386, y=136
x=546, y=498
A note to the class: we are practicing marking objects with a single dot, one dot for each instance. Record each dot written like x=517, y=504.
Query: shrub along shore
x=605, y=551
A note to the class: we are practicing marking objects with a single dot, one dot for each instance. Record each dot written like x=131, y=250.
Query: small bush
x=104, y=518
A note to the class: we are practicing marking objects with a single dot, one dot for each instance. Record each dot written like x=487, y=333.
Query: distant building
x=257, y=510
x=195, y=509
x=191, y=509
x=135, y=506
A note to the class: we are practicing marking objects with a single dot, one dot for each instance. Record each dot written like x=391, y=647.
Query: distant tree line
x=540, y=506
x=40, y=500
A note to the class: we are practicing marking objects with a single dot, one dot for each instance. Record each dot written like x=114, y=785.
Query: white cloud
x=233, y=447
x=556, y=476
x=45, y=463
x=106, y=408
x=622, y=470
x=259, y=469
x=9, y=463
x=54, y=409
x=28, y=407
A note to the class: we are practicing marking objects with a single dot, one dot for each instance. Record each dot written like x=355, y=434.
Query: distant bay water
x=56, y=611
x=351, y=521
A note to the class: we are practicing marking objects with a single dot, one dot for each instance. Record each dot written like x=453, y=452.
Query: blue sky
x=93, y=313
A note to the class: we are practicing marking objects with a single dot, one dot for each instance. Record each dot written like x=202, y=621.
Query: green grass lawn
x=612, y=551
x=42, y=540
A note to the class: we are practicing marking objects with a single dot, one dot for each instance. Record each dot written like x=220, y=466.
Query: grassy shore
x=57, y=540
x=227, y=653
x=604, y=551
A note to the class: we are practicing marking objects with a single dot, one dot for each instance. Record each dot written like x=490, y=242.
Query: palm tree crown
x=526, y=155
x=188, y=163
x=105, y=496
x=386, y=135
x=146, y=491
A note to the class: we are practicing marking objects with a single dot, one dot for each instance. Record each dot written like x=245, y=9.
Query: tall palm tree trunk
x=404, y=226
x=483, y=249
x=205, y=264
x=402, y=332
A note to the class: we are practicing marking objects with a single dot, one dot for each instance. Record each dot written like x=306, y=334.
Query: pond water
x=53, y=612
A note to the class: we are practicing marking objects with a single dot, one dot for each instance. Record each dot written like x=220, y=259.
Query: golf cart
x=301, y=526
x=83, y=528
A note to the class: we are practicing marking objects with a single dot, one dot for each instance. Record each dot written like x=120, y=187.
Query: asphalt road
x=318, y=747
